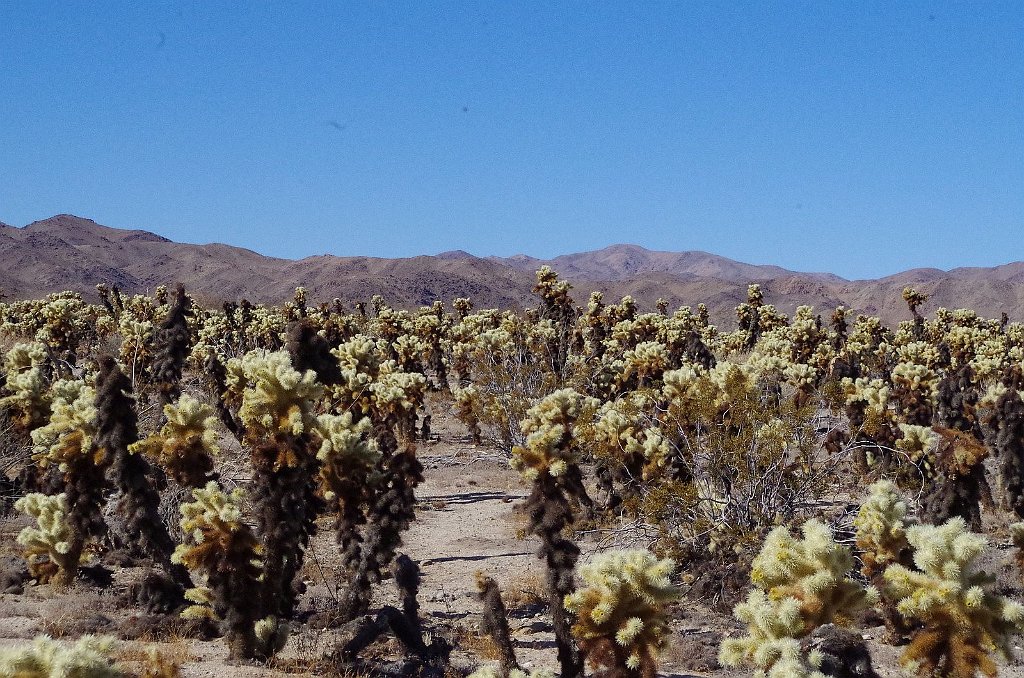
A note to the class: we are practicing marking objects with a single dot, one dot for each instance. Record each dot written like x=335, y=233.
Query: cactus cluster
x=621, y=620
x=800, y=584
x=958, y=621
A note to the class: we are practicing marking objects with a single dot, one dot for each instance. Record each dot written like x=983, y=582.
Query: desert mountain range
x=71, y=253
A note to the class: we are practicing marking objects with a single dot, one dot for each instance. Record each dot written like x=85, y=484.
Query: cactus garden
x=583, y=487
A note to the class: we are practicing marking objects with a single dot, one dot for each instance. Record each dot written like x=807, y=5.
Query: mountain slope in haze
x=68, y=252
x=627, y=262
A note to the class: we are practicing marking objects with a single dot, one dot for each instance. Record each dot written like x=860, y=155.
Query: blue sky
x=860, y=138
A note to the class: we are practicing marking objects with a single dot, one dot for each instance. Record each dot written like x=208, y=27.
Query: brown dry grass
x=155, y=662
x=526, y=590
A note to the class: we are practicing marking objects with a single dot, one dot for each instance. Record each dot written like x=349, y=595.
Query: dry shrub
x=693, y=652
x=312, y=647
x=150, y=661
x=160, y=628
x=477, y=643
x=76, y=624
x=525, y=592
x=744, y=459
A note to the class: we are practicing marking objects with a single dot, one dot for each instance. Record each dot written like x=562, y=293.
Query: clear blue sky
x=860, y=138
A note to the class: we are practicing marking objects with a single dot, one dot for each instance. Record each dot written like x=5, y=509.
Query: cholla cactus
x=88, y=657
x=347, y=460
x=917, y=441
x=50, y=548
x=275, y=397
x=139, y=504
x=171, y=344
x=311, y=351
x=549, y=427
x=556, y=306
x=396, y=397
x=186, y=444
x=136, y=346
x=549, y=460
x=620, y=616
x=68, y=436
x=801, y=584
x=468, y=406
x=278, y=406
x=1017, y=537
x=627, y=449
x=956, y=478
x=224, y=548
x=960, y=623
x=915, y=390
x=881, y=528
x=26, y=382
x=67, y=442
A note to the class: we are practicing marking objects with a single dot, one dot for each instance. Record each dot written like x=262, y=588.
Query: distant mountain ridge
x=69, y=252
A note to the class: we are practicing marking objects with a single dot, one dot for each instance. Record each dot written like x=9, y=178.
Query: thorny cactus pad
x=961, y=624
x=621, y=621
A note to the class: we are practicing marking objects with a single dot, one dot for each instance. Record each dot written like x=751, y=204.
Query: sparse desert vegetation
x=608, y=490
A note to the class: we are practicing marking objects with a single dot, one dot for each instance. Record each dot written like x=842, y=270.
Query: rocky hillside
x=68, y=252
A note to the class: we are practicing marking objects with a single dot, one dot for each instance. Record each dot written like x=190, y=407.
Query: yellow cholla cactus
x=960, y=623
x=218, y=533
x=347, y=454
x=881, y=528
x=916, y=378
x=26, y=383
x=916, y=441
x=48, y=545
x=88, y=657
x=621, y=621
x=397, y=394
x=276, y=398
x=549, y=434
x=619, y=434
x=874, y=393
x=800, y=584
x=68, y=435
x=186, y=444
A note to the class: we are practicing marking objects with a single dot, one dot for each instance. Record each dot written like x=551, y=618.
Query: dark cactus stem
x=285, y=520
x=494, y=622
x=310, y=351
x=172, y=346
x=217, y=374
x=84, y=483
x=957, y=402
x=117, y=428
x=840, y=328
x=1005, y=428
x=550, y=515
x=697, y=351
x=390, y=515
x=406, y=574
x=957, y=486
